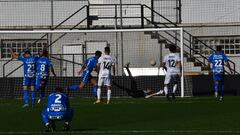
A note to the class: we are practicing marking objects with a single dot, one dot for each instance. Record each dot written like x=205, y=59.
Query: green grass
x=188, y=116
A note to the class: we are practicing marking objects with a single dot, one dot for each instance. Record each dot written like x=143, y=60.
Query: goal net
x=69, y=49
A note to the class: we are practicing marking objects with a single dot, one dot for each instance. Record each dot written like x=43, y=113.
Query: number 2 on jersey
x=58, y=99
x=172, y=63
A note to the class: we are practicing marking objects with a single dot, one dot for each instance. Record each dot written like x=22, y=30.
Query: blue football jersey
x=91, y=63
x=43, y=65
x=29, y=65
x=217, y=59
x=57, y=103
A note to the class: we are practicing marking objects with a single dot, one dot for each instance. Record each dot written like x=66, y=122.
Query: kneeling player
x=105, y=63
x=217, y=59
x=58, y=109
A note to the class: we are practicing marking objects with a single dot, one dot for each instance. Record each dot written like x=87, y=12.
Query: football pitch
x=127, y=116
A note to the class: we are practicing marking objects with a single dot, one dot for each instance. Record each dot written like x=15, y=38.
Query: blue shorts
x=27, y=81
x=40, y=82
x=86, y=76
x=218, y=77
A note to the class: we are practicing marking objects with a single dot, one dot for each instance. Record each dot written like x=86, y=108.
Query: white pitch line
x=130, y=131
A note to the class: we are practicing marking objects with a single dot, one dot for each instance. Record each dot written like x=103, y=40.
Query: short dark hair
x=172, y=48
x=45, y=52
x=107, y=49
x=98, y=53
x=27, y=51
x=219, y=48
x=59, y=89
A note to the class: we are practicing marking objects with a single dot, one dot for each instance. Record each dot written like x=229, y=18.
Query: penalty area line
x=127, y=131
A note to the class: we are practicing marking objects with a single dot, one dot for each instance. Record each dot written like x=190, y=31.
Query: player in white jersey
x=105, y=64
x=172, y=64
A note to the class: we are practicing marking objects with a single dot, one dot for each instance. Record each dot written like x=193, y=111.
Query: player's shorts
x=40, y=82
x=218, y=77
x=171, y=77
x=27, y=81
x=86, y=76
x=106, y=81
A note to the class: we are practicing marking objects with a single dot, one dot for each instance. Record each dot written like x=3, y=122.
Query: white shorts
x=106, y=81
x=171, y=77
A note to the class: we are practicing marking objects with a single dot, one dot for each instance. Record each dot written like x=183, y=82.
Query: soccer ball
x=153, y=62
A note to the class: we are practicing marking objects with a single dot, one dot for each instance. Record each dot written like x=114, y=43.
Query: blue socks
x=33, y=97
x=216, y=87
x=219, y=88
x=94, y=90
x=74, y=87
x=25, y=96
x=41, y=94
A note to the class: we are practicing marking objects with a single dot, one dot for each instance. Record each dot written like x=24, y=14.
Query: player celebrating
x=217, y=60
x=86, y=70
x=57, y=109
x=43, y=66
x=29, y=63
x=105, y=63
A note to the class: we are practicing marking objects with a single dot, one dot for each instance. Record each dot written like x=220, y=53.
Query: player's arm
x=210, y=59
x=82, y=68
x=180, y=66
x=14, y=55
x=164, y=66
x=53, y=72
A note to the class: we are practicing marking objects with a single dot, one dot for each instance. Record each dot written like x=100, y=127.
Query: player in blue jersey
x=44, y=65
x=86, y=70
x=57, y=109
x=29, y=65
x=217, y=60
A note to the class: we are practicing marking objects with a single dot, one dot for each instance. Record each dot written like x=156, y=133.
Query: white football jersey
x=171, y=61
x=106, y=63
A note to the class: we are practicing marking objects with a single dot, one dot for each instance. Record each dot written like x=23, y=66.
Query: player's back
x=91, y=63
x=106, y=63
x=43, y=65
x=29, y=63
x=172, y=61
x=217, y=59
x=58, y=104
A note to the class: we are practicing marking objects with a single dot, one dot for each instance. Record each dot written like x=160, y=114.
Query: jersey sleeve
x=210, y=58
x=21, y=58
x=100, y=60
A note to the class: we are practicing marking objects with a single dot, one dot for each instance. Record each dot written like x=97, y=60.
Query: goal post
x=140, y=46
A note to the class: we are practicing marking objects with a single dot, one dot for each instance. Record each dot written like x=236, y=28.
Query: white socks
x=108, y=95
x=165, y=90
x=98, y=93
x=174, y=88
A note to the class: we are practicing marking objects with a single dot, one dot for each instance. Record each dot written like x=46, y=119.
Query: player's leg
x=216, y=84
x=107, y=83
x=33, y=90
x=46, y=120
x=100, y=82
x=42, y=89
x=26, y=84
x=175, y=84
x=94, y=88
x=221, y=86
x=85, y=78
x=166, y=83
x=68, y=118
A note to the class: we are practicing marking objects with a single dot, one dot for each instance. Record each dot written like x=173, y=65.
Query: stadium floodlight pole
x=182, y=63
